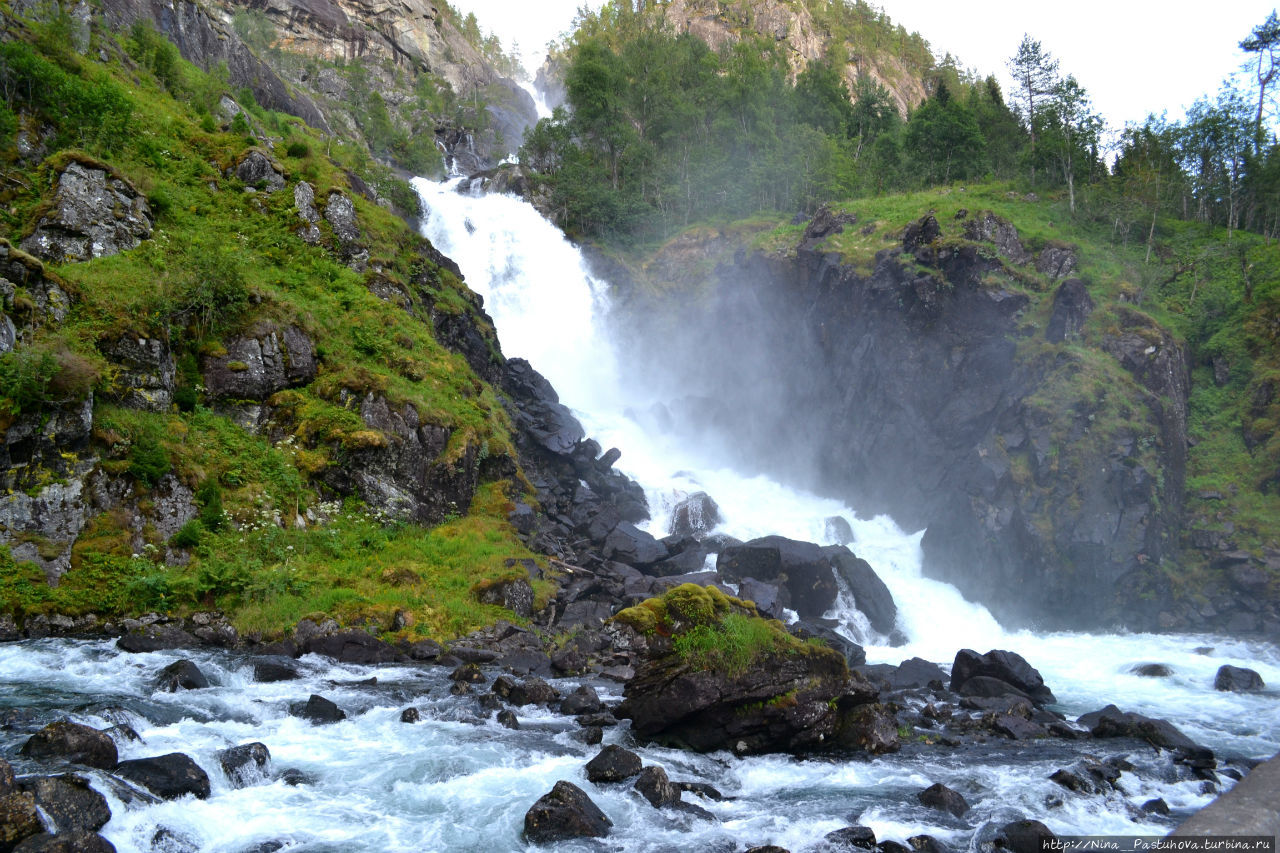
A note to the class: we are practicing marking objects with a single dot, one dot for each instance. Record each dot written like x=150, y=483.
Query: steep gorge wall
x=1049, y=475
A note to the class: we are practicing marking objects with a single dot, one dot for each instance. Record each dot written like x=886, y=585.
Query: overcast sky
x=1133, y=56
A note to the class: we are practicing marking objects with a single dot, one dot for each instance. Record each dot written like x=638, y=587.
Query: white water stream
x=459, y=782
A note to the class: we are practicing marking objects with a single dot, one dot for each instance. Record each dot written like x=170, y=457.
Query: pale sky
x=1133, y=56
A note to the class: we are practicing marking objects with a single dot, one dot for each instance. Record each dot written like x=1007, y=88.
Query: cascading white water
x=549, y=309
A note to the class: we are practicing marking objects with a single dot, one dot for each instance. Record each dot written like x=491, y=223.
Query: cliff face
x=719, y=23
x=394, y=42
x=933, y=385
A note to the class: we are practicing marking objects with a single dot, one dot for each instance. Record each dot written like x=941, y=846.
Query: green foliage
x=148, y=459
x=25, y=376
x=155, y=52
x=735, y=644
x=711, y=630
x=189, y=535
x=89, y=110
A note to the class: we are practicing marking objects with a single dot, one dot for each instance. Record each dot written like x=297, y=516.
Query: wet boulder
x=566, y=812
x=802, y=567
x=872, y=728
x=1024, y=836
x=167, y=776
x=851, y=838
x=19, y=818
x=72, y=742
x=654, y=785
x=939, y=796
x=532, y=691
x=777, y=695
x=79, y=841
x=1009, y=667
x=838, y=530
x=354, y=646
x=318, y=710
x=69, y=802
x=583, y=700
x=155, y=638
x=1236, y=679
x=1110, y=722
x=916, y=672
x=1152, y=670
x=870, y=594
x=771, y=599
x=628, y=544
x=94, y=213
x=270, y=670
x=246, y=764
x=613, y=764
x=695, y=516
x=181, y=675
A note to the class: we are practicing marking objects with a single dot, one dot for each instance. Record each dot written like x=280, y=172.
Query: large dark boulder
x=246, y=764
x=939, y=796
x=802, y=567
x=167, y=776
x=1236, y=679
x=780, y=703
x=69, y=802
x=155, y=638
x=869, y=727
x=181, y=675
x=695, y=516
x=1008, y=667
x=1111, y=722
x=255, y=365
x=613, y=764
x=19, y=818
x=916, y=672
x=354, y=646
x=654, y=785
x=74, y=743
x=79, y=841
x=771, y=599
x=870, y=594
x=269, y=670
x=628, y=544
x=566, y=812
x=1024, y=836
x=318, y=710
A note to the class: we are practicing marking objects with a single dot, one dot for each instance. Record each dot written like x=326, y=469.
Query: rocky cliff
x=856, y=39
x=298, y=56
x=955, y=379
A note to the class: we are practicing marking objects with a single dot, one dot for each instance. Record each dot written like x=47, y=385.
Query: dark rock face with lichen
x=717, y=676
x=1049, y=478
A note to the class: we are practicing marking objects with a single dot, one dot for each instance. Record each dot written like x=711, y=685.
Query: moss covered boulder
x=718, y=676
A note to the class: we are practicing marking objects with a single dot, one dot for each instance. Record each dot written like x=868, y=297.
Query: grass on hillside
x=221, y=259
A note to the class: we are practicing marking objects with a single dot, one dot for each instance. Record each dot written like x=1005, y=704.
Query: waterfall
x=549, y=308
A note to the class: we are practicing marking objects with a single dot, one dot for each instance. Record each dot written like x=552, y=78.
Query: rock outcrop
x=1058, y=473
x=94, y=213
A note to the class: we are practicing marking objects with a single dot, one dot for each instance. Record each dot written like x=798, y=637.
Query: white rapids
x=457, y=781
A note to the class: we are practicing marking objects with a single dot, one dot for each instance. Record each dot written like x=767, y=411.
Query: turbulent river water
x=458, y=781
